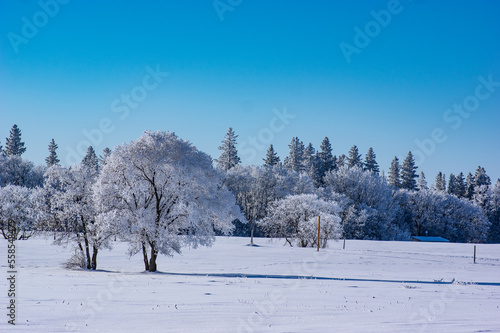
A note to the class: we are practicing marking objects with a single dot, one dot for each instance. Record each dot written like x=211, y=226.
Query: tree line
x=159, y=193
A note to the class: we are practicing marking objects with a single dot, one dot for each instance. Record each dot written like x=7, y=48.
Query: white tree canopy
x=163, y=193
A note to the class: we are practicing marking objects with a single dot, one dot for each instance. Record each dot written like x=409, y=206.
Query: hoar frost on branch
x=162, y=193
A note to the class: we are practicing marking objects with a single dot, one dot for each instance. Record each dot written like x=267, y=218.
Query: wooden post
x=343, y=247
x=317, y=243
x=474, y=253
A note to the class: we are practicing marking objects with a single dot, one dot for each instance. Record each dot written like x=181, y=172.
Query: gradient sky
x=261, y=58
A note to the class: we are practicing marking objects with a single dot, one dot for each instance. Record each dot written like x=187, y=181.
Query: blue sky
x=244, y=62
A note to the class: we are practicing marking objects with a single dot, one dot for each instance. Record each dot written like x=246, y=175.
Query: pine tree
x=452, y=184
x=272, y=158
x=422, y=182
x=370, y=161
x=469, y=186
x=309, y=153
x=460, y=185
x=408, y=173
x=106, y=152
x=229, y=155
x=393, y=178
x=52, y=158
x=90, y=160
x=481, y=178
x=13, y=145
x=354, y=158
x=295, y=159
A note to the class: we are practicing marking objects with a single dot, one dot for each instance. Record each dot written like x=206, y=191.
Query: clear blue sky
x=70, y=75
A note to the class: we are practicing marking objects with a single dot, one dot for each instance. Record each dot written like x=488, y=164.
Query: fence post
x=474, y=253
x=317, y=243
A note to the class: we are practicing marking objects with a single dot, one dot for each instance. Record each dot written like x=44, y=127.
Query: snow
x=371, y=286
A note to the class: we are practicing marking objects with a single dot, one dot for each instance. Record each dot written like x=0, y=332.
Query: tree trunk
x=152, y=261
x=87, y=251
x=94, y=258
x=145, y=256
x=251, y=236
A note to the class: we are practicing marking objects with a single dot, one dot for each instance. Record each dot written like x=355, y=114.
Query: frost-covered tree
x=90, y=160
x=13, y=144
x=17, y=215
x=371, y=162
x=255, y=187
x=445, y=215
x=460, y=185
x=409, y=173
x=295, y=218
x=393, y=176
x=71, y=210
x=106, y=152
x=52, y=158
x=16, y=171
x=440, y=182
x=313, y=165
x=354, y=158
x=368, y=213
x=481, y=178
x=163, y=193
x=341, y=161
x=469, y=186
x=422, y=182
x=272, y=158
x=229, y=154
x=452, y=184
x=295, y=159
x=328, y=161
x=494, y=214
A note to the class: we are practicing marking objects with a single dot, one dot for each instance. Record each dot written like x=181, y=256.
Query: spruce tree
x=354, y=158
x=452, y=184
x=295, y=159
x=272, y=158
x=229, y=155
x=469, y=186
x=408, y=173
x=325, y=154
x=341, y=161
x=370, y=161
x=460, y=185
x=393, y=178
x=439, y=182
x=106, y=152
x=422, y=182
x=90, y=160
x=309, y=153
x=13, y=144
x=481, y=178
x=52, y=158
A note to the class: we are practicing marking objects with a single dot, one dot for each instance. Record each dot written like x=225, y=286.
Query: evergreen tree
x=309, y=153
x=90, y=160
x=393, y=178
x=481, y=178
x=13, y=145
x=370, y=161
x=408, y=173
x=469, y=186
x=229, y=155
x=460, y=185
x=422, y=182
x=341, y=161
x=52, y=158
x=106, y=152
x=354, y=158
x=295, y=159
x=272, y=158
x=327, y=160
x=452, y=184
x=440, y=182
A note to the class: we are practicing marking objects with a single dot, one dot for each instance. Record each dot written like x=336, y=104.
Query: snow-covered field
x=370, y=286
